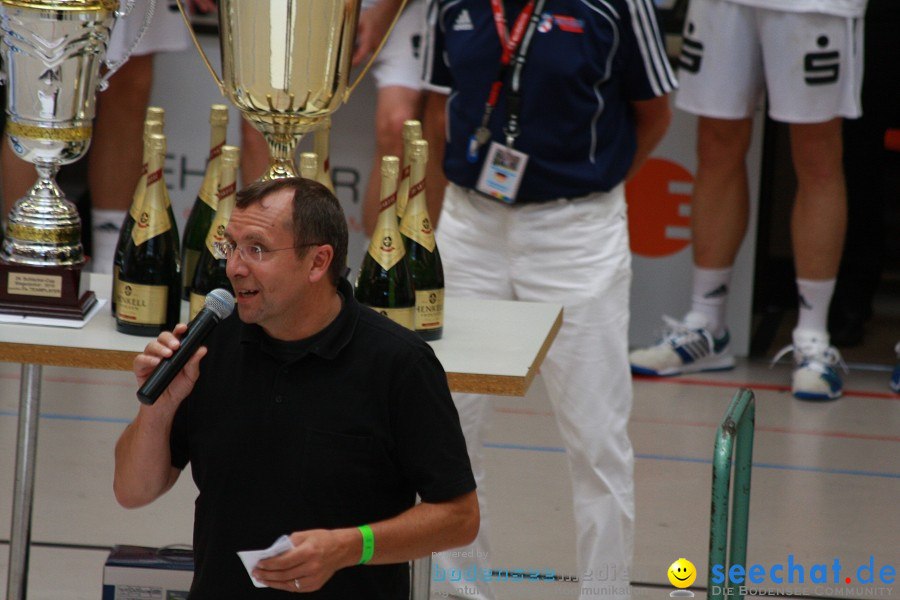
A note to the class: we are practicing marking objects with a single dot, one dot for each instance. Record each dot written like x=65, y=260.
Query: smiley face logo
x=682, y=573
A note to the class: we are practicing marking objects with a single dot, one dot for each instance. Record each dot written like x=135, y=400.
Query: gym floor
x=825, y=483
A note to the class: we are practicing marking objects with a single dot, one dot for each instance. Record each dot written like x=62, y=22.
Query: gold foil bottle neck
x=231, y=155
x=156, y=113
x=309, y=165
x=156, y=143
x=412, y=130
x=151, y=127
x=324, y=124
x=218, y=114
x=390, y=167
x=418, y=151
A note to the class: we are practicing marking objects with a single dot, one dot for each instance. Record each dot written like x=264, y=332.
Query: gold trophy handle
x=375, y=54
x=187, y=21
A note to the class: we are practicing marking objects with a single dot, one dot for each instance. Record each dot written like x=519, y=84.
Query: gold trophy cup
x=53, y=51
x=286, y=66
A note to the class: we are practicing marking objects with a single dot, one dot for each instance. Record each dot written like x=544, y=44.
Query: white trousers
x=574, y=253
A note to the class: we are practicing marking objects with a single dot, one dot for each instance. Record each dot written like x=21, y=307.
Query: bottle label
x=429, y=309
x=154, y=217
x=216, y=231
x=142, y=304
x=386, y=245
x=216, y=234
x=403, y=191
x=197, y=302
x=401, y=316
x=416, y=224
x=208, y=189
x=138, y=197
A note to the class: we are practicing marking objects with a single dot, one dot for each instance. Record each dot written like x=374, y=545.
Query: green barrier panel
x=736, y=429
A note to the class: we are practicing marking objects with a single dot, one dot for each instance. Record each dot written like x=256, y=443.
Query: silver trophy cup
x=52, y=52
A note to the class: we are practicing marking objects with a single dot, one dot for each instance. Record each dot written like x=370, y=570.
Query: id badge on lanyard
x=502, y=171
x=501, y=174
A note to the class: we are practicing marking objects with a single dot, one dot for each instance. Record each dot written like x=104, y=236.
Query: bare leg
x=720, y=203
x=254, y=154
x=819, y=218
x=395, y=105
x=117, y=146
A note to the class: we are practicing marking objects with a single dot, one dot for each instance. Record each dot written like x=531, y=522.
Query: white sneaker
x=895, y=375
x=683, y=349
x=815, y=376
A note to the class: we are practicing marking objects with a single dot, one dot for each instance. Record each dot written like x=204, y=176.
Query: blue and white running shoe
x=895, y=375
x=684, y=348
x=815, y=375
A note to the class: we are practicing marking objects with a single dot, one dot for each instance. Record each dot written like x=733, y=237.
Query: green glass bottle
x=210, y=272
x=152, y=124
x=421, y=250
x=412, y=131
x=383, y=281
x=204, y=208
x=149, y=300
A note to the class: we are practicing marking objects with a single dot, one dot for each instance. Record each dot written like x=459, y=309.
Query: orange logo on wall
x=659, y=206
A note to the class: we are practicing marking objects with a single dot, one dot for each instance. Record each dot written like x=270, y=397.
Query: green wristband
x=368, y=539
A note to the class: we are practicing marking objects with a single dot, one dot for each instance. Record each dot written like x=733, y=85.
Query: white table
x=489, y=346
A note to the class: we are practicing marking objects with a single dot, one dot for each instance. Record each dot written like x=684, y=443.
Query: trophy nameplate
x=40, y=291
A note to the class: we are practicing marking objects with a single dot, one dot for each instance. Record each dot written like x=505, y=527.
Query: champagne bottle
x=412, y=131
x=152, y=124
x=210, y=272
x=322, y=148
x=149, y=281
x=421, y=250
x=309, y=166
x=383, y=281
x=204, y=208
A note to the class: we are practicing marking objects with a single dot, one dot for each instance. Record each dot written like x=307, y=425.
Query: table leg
x=23, y=492
x=421, y=578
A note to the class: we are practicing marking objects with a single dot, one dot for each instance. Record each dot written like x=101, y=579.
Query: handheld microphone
x=219, y=304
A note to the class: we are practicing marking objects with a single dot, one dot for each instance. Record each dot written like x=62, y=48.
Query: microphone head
x=220, y=302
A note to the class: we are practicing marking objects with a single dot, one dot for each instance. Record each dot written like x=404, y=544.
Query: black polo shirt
x=343, y=432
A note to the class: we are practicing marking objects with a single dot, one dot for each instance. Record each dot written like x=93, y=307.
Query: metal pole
x=23, y=492
x=734, y=439
x=421, y=579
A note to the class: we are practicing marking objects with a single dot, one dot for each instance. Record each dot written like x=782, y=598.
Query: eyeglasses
x=250, y=253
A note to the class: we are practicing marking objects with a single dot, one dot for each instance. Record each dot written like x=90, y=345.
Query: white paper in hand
x=251, y=557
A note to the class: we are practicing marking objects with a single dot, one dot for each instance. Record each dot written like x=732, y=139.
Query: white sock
x=814, y=298
x=105, y=234
x=709, y=299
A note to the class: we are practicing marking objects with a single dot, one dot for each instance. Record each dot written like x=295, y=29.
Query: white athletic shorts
x=398, y=64
x=167, y=31
x=809, y=63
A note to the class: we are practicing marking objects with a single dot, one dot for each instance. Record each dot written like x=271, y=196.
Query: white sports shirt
x=841, y=8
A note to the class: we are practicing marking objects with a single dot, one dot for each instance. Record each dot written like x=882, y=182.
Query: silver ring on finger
x=296, y=584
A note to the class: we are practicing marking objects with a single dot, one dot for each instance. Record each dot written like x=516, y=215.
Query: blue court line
x=707, y=461
x=552, y=449
x=60, y=417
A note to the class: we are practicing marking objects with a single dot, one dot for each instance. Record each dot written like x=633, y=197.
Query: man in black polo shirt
x=305, y=414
